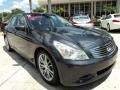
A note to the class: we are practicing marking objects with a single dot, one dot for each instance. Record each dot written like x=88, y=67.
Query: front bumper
x=75, y=73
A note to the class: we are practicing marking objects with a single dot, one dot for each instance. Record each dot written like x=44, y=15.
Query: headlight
x=68, y=52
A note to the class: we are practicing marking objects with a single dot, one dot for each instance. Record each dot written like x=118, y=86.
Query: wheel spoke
x=42, y=66
x=50, y=72
x=45, y=58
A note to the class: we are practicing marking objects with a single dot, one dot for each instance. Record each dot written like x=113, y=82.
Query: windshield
x=58, y=21
x=44, y=22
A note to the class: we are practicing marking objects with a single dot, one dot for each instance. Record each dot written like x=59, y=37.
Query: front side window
x=21, y=21
x=39, y=21
x=13, y=21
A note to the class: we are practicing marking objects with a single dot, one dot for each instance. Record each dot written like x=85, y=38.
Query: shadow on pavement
x=35, y=74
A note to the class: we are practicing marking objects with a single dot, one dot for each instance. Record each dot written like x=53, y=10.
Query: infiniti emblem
x=108, y=49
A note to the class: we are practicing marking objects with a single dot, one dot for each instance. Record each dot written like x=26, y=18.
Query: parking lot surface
x=18, y=74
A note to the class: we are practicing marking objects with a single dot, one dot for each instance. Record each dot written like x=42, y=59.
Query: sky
x=7, y=5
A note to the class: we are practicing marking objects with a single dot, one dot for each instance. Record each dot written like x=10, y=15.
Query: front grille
x=104, y=50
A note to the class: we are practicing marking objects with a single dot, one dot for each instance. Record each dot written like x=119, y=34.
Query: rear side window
x=117, y=16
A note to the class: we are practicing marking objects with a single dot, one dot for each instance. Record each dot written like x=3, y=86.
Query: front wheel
x=108, y=27
x=47, y=68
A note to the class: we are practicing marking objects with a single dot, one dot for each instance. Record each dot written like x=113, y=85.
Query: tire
x=108, y=27
x=100, y=25
x=47, y=68
x=7, y=44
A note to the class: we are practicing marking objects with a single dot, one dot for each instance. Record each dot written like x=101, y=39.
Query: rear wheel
x=7, y=44
x=100, y=25
x=47, y=68
x=108, y=27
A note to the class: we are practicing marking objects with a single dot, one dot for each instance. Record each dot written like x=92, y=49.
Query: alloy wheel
x=46, y=67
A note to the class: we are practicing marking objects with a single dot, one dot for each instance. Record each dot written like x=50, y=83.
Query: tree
x=58, y=10
x=39, y=9
x=5, y=15
x=16, y=11
x=109, y=9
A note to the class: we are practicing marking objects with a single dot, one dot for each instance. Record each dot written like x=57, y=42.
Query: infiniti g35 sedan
x=61, y=52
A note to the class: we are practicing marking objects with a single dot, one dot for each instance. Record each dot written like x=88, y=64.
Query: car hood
x=86, y=38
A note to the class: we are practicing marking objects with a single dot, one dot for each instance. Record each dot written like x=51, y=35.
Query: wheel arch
x=53, y=58
x=43, y=49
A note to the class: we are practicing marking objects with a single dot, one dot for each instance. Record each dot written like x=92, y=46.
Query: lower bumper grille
x=104, y=70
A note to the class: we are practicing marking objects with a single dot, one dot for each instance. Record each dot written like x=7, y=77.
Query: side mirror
x=22, y=28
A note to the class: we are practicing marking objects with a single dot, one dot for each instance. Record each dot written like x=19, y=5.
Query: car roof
x=46, y=14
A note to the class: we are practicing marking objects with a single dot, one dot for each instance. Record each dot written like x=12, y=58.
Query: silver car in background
x=82, y=21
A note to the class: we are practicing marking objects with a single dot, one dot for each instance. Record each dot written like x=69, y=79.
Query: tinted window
x=58, y=21
x=117, y=16
x=42, y=22
x=21, y=21
x=108, y=17
x=81, y=17
x=39, y=21
x=13, y=21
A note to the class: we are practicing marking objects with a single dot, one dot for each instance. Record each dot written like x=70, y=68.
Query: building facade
x=118, y=5
x=90, y=7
